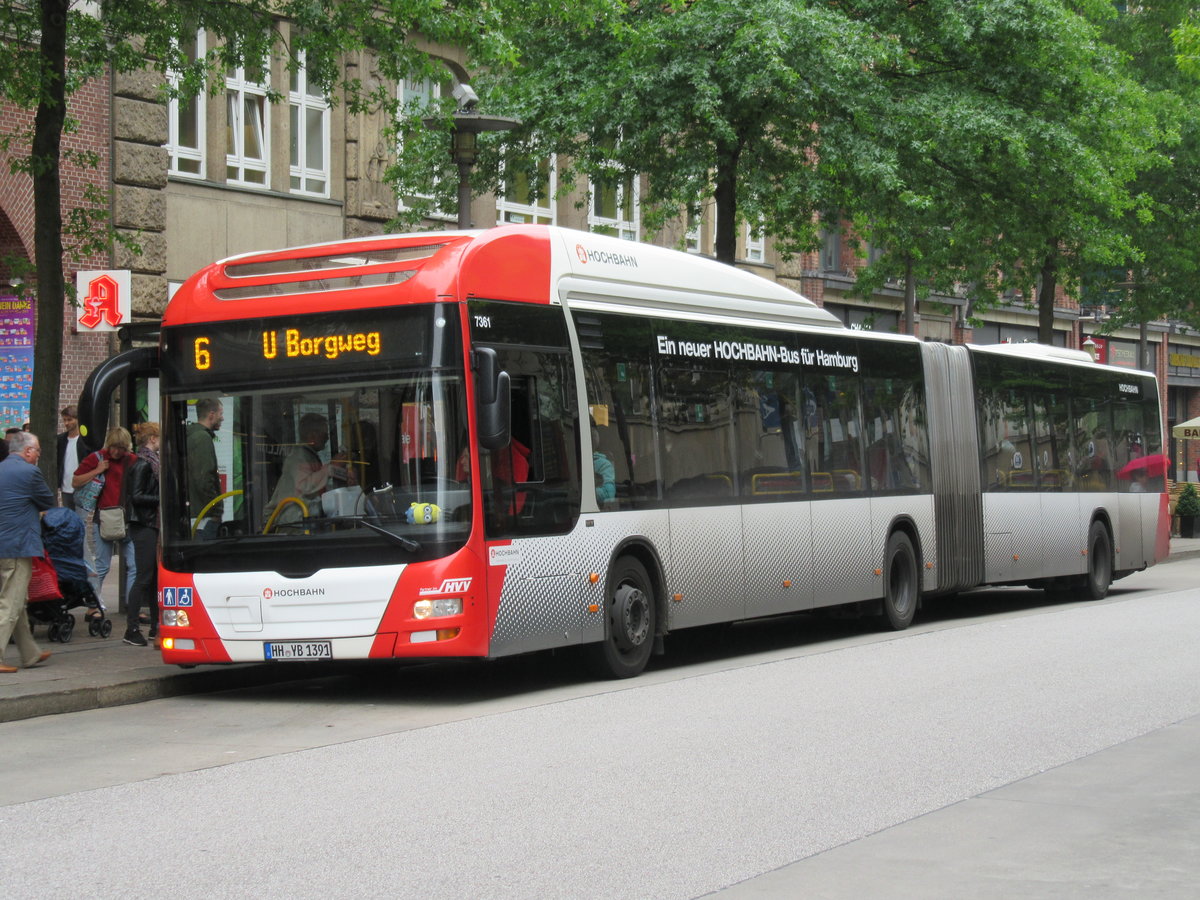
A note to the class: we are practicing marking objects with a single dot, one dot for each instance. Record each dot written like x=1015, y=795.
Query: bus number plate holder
x=301, y=650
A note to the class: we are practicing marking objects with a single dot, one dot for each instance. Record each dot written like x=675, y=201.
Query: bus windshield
x=313, y=475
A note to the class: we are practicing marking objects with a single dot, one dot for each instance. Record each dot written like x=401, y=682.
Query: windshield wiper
x=407, y=543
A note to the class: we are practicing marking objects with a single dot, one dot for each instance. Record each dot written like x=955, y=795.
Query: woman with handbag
x=108, y=521
x=141, y=512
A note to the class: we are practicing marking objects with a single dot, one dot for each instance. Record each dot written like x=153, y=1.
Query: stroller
x=60, y=580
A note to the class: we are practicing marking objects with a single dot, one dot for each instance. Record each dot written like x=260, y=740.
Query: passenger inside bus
x=606, y=476
x=305, y=477
x=509, y=466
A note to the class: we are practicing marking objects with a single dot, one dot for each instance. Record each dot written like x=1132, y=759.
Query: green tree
x=1162, y=41
x=1013, y=132
x=53, y=47
x=714, y=101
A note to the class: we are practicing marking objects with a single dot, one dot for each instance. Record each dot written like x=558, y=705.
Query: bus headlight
x=176, y=617
x=442, y=606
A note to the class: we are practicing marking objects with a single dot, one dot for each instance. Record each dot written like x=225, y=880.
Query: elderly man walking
x=24, y=495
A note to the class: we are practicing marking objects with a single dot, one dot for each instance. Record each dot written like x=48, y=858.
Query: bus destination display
x=273, y=348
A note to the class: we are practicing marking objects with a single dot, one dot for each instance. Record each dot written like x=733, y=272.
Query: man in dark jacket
x=71, y=447
x=24, y=495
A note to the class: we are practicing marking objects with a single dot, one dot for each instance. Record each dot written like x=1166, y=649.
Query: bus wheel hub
x=631, y=617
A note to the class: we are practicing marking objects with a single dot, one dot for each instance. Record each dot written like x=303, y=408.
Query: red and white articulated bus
x=475, y=444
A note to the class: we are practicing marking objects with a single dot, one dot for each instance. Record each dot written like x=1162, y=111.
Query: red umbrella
x=1153, y=465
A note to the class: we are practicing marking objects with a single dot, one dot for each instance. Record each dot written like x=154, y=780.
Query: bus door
x=776, y=513
x=531, y=485
x=696, y=430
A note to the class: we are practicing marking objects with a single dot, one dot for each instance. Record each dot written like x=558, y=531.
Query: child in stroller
x=65, y=586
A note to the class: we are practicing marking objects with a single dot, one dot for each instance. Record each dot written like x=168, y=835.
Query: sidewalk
x=92, y=672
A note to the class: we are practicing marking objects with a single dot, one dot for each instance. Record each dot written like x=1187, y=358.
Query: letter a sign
x=105, y=300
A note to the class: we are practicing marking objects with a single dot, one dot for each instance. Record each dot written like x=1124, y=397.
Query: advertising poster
x=16, y=360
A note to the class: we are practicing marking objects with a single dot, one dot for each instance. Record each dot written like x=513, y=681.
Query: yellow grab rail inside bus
x=211, y=503
x=279, y=508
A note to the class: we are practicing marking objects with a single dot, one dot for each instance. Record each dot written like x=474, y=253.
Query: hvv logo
x=449, y=586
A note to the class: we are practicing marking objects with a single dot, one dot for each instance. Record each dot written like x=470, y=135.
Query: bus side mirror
x=493, y=392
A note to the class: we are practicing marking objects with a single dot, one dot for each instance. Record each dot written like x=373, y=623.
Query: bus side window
x=618, y=380
x=532, y=485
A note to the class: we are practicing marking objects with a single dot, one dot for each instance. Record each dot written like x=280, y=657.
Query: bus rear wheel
x=1100, y=563
x=901, y=581
x=629, y=622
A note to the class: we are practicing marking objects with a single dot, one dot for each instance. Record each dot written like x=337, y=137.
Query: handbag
x=43, y=583
x=112, y=523
x=87, y=495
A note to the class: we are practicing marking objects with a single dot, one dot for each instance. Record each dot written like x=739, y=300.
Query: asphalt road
x=740, y=761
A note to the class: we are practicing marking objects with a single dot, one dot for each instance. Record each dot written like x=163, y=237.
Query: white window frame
x=544, y=212
x=693, y=238
x=626, y=229
x=300, y=104
x=756, y=242
x=239, y=89
x=431, y=91
x=178, y=152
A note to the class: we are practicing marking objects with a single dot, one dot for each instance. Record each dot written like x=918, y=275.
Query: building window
x=528, y=201
x=417, y=97
x=185, y=120
x=248, y=127
x=693, y=237
x=756, y=242
x=831, y=250
x=614, y=208
x=309, y=112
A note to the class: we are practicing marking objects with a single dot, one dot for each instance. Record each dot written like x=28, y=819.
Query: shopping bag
x=43, y=585
x=87, y=495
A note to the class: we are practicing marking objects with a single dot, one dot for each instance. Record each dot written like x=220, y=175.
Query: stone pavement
x=93, y=672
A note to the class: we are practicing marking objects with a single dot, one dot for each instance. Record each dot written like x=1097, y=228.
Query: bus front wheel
x=629, y=622
x=902, y=581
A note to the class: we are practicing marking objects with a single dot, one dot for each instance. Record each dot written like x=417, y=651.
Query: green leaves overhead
x=983, y=145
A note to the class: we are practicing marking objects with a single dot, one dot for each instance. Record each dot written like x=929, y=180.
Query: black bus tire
x=901, y=581
x=629, y=622
x=1100, y=563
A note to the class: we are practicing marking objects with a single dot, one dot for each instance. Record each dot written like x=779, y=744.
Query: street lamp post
x=469, y=123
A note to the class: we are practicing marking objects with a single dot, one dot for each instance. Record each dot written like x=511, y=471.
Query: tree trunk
x=1046, y=292
x=725, y=195
x=47, y=234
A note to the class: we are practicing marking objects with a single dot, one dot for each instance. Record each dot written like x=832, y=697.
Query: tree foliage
x=1162, y=44
x=714, y=102
x=984, y=146
x=1016, y=132
x=54, y=46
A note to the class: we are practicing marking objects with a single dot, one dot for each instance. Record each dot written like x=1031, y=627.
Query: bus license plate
x=298, y=650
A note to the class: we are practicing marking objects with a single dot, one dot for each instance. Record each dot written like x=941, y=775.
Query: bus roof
x=1055, y=354
x=530, y=263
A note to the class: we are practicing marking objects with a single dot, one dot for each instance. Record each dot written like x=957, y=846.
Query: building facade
x=223, y=174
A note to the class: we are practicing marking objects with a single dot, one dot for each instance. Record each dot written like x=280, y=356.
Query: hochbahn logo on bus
x=272, y=593
x=604, y=256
